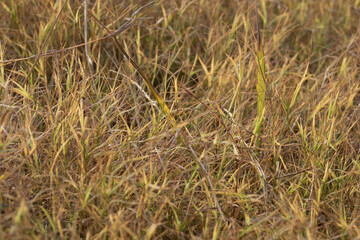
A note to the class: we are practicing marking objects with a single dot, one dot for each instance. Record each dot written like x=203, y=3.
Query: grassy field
x=203, y=119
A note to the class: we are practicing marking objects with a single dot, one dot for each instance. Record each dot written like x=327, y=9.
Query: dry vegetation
x=91, y=153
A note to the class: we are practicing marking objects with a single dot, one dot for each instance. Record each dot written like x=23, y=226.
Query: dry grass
x=87, y=153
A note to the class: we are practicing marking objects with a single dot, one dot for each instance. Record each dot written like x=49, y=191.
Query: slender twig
x=121, y=29
x=130, y=20
x=91, y=65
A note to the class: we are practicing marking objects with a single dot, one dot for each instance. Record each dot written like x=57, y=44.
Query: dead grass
x=87, y=152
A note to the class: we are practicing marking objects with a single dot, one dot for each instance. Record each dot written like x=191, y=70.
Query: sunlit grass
x=185, y=126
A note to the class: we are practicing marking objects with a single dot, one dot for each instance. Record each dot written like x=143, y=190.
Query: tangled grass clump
x=172, y=120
